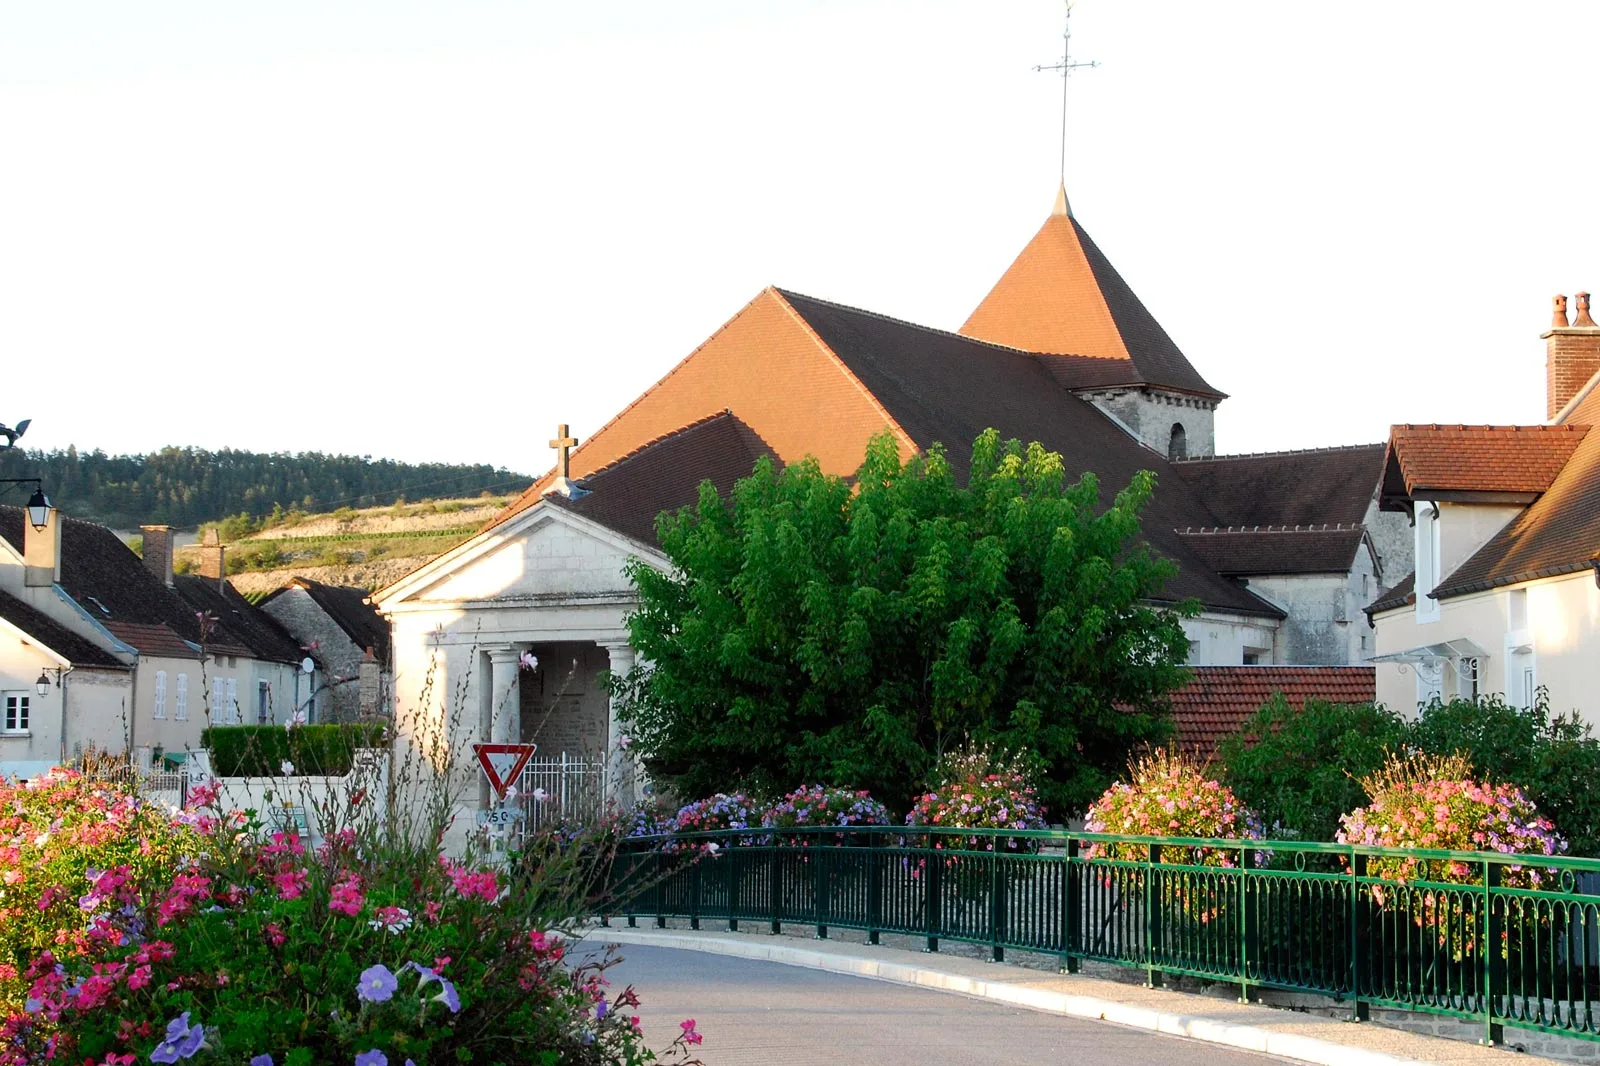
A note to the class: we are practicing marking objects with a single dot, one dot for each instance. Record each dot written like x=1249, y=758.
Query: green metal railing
x=1517, y=945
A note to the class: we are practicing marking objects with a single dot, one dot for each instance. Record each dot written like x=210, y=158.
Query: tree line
x=187, y=486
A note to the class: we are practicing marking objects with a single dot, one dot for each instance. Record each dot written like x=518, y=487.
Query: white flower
x=287, y=767
x=624, y=742
x=528, y=660
x=713, y=847
x=511, y=793
x=540, y=795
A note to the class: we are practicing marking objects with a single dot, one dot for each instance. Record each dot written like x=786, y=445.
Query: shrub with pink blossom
x=980, y=788
x=819, y=805
x=1434, y=803
x=725, y=810
x=1169, y=795
x=131, y=933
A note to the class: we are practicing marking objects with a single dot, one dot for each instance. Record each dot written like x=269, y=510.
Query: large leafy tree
x=818, y=629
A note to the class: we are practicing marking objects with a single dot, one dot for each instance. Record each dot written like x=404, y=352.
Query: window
x=263, y=703
x=180, y=703
x=16, y=713
x=1252, y=658
x=161, y=694
x=1178, y=442
x=1427, y=546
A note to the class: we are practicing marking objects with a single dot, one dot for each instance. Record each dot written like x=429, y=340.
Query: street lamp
x=42, y=686
x=38, y=504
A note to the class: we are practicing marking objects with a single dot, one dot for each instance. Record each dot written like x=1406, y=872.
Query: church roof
x=1297, y=488
x=665, y=474
x=1062, y=297
x=1259, y=550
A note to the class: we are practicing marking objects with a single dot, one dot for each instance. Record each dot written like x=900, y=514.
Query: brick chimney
x=212, y=565
x=158, y=552
x=41, y=551
x=1572, y=353
x=371, y=687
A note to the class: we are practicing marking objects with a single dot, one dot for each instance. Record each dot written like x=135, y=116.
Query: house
x=186, y=663
x=1505, y=594
x=508, y=632
x=348, y=638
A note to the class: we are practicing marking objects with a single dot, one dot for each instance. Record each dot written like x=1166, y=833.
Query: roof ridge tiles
x=1461, y=427
x=787, y=293
x=1324, y=527
x=1265, y=455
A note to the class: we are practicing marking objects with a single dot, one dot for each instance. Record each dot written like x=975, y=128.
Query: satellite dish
x=308, y=665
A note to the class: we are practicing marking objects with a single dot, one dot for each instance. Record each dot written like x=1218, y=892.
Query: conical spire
x=1063, y=297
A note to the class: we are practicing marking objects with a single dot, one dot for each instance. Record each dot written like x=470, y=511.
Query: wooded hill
x=185, y=487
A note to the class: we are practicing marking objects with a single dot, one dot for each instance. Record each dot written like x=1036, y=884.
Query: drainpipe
x=61, y=683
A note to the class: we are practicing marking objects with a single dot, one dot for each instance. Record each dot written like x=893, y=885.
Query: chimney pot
x=41, y=552
x=213, y=565
x=1559, y=319
x=1583, y=318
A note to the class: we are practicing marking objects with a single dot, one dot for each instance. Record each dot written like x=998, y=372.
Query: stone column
x=505, y=694
x=620, y=770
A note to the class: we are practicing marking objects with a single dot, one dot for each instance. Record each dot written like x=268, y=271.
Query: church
x=1282, y=551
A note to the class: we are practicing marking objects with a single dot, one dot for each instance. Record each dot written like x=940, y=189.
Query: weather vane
x=1065, y=67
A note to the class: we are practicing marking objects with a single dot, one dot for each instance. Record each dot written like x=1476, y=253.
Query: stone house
x=338, y=628
x=1505, y=594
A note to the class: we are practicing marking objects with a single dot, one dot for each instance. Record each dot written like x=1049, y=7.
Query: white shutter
x=161, y=694
x=181, y=702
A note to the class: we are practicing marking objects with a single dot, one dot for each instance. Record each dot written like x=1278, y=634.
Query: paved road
x=768, y=1014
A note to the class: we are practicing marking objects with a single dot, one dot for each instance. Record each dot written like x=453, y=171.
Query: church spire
x=1062, y=207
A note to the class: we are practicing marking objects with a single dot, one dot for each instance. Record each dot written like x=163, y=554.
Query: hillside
x=184, y=487
x=367, y=548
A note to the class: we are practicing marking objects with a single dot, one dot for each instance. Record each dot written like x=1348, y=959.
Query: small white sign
x=498, y=817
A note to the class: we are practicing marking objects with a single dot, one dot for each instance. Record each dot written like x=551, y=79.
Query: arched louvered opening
x=1178, y=443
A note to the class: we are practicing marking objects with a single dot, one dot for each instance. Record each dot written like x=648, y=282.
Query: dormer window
x=1427, y=547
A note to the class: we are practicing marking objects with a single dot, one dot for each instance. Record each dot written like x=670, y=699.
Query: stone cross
x=563, y=443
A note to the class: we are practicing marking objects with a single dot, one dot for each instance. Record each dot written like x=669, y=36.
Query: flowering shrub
x=1168, y=795
x=979, y=788
x=725, y=810
x=1433, y=803
x=133, y=934
x=817, y=805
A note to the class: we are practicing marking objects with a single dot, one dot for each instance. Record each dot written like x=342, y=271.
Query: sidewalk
x=1291, y=1035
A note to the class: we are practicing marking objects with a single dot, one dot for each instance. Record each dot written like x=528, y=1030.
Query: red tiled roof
x=1062, y=296
x=1220, y=699
x=1509, y=459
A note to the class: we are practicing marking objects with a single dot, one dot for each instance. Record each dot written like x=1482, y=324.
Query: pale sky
x=433, y=230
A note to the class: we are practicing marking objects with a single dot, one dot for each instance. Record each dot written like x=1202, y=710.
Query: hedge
x=261, y=750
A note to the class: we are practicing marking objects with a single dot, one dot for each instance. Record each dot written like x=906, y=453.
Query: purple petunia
x=261, y=1060
x=372, y=1058
x=377, y=984
x=183, y=1041
x=448, y=996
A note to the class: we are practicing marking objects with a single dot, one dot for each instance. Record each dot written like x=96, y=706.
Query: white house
x=1505, y=597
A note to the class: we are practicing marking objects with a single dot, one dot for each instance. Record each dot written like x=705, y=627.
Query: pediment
x=545, y=553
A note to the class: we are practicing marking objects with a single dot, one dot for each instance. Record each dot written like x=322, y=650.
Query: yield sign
x=502, y=763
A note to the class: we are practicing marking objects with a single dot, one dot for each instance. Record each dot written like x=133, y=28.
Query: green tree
x=814, y=629
x=1299, y=766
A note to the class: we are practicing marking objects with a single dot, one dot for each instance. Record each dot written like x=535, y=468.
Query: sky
x=434, y=230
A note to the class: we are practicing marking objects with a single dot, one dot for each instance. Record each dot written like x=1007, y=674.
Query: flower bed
x=819, y=805
x=132, y=934
x=979, y=788
x=1168, y=795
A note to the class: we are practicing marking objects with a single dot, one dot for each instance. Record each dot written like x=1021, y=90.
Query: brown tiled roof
x=1478, y=459
x=666, y=474
x=1402, y=594
x=110, y=582
x=350, y=611
x=45, y=630
x=1559, y=533
x=1220, y=699
x=1062, y=296
x=242, y=627
x=1298, y=488
x=1276, y=549
x=155, y=639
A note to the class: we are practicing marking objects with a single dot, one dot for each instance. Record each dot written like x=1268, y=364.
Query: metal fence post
x=694, y=890
x=661, y=883
x=1360, y=932
x=774, y=892
x=1493, y=926
x=1247, y=927
x=732, y=865
x=997, y=905
x=1071, y=909
x=1152, y=917
x=874, y=886
x=930, y=913
x=819, y=891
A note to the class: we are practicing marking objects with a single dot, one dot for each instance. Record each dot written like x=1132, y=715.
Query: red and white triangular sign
x=503, y=763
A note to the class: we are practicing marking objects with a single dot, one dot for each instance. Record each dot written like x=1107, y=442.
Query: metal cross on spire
x=1065, y=67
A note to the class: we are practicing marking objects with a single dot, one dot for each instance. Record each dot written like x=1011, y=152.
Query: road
x=768, y=1014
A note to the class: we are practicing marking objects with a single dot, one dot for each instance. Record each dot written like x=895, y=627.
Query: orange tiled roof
x=1513, y=459
x=1220, y=699
x=1061, y=296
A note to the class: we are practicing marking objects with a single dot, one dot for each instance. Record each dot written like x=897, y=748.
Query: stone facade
x=339, y=656
x=1326, y=625
x=1151, y=415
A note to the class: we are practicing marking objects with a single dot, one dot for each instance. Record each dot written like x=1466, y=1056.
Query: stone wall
x=340, y=656
x=1150, y=414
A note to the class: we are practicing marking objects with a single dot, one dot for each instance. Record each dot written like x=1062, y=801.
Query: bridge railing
x=1503, y=940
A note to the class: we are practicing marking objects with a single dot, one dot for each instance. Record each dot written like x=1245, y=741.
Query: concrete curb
x=1195, y=1027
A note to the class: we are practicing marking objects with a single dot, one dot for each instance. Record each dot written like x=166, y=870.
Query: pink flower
x=346, y=896
x=689, y=1035
x=290, y=883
